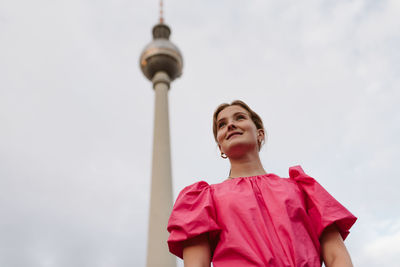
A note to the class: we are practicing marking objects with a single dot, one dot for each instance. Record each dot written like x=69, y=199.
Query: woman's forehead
x=229, y=111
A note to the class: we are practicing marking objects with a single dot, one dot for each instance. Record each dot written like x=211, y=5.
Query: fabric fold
x=322, y=208
x=193, y=214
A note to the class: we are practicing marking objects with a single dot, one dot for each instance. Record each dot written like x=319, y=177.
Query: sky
x=76, y=116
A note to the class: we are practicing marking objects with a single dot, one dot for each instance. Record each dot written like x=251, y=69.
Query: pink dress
x=262, y=220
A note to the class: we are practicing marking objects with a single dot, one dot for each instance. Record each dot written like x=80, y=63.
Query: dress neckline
x=247, y=177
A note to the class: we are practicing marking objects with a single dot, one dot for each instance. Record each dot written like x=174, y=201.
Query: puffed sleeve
x=193, y=214
x=322, y=208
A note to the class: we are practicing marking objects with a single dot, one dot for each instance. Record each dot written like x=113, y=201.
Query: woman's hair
x=254, y=116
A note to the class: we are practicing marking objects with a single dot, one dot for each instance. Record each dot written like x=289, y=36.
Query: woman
x=255, y=218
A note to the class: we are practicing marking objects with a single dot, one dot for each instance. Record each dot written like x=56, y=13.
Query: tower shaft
x=161, y=178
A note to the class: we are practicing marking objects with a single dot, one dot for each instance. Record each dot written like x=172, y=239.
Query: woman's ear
x=261, y=133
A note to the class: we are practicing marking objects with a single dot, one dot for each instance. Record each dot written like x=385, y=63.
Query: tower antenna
x=161, y=12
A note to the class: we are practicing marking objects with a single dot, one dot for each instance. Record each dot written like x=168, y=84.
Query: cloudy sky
x=76, y=116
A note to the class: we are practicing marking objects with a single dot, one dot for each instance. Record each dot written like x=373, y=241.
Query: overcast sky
x=76, y=116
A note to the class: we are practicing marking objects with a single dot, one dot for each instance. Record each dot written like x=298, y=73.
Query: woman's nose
x=231, y=125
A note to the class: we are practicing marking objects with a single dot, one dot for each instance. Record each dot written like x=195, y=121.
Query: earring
x=223, y=155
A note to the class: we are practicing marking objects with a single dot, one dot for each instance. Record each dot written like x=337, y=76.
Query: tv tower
x=161, y=62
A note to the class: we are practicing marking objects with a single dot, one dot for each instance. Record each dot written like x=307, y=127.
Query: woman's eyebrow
x=236, y=113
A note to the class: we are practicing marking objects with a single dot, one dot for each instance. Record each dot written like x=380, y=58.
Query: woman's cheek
x=219, y=136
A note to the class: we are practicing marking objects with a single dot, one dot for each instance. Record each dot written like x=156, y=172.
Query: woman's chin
x=240, y=149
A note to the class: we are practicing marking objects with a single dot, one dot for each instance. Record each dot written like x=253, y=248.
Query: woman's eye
x=241, y=117
x=221, y=124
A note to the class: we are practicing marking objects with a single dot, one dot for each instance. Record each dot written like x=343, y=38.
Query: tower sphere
x=161, y=55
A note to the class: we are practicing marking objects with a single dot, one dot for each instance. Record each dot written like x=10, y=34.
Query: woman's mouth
x=233, y=134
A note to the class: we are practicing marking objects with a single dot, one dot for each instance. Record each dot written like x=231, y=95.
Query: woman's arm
x=197, y=252
x=333, y=250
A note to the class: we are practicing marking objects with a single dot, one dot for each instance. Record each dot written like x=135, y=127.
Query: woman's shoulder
x=194, y=190
x=297, y=172
x=202, y=186
x=199, y=185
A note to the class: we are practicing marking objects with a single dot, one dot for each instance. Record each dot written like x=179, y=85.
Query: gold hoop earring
x=223, y=155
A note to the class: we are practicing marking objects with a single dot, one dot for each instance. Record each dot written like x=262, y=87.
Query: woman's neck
x=250, y=165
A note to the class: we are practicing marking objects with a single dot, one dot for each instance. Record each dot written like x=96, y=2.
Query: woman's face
x=236, y=132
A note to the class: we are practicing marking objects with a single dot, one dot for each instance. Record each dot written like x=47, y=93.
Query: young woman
x=255, y=218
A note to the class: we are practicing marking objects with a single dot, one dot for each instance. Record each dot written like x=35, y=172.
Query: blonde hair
x=253, y=115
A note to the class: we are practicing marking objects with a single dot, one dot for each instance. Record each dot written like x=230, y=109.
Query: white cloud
x=381, y=244
x=384, y=250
